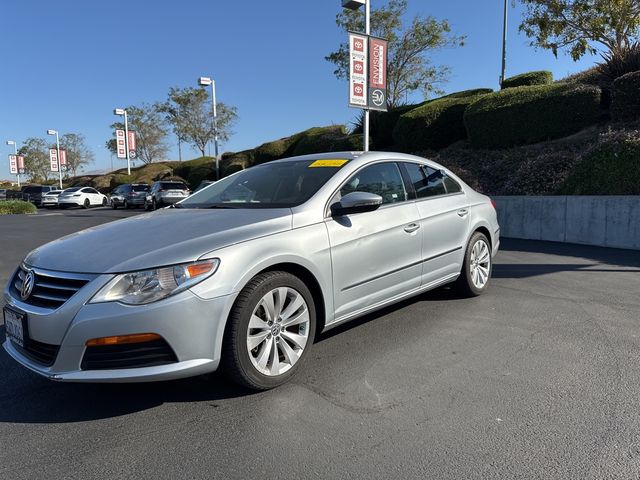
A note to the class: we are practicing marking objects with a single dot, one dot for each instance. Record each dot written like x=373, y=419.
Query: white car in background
x=84, y=197
x=50, y=199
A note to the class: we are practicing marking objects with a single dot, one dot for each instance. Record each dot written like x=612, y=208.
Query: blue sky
x=67, y=64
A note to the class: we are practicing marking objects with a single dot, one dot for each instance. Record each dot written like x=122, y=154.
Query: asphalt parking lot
x=538, y=378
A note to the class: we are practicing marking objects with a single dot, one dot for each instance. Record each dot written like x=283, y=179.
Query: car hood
x=164, y=237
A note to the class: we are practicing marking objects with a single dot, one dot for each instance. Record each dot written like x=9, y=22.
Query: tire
x=105, y=202
x=86, y=203
x=114, y=205
x=242, y=364
x=125, y=205
x=475, y=278
x=154, y=205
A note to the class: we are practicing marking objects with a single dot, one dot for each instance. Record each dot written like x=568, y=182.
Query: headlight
x=139, y=288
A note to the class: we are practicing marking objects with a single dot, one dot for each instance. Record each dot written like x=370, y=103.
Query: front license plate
x=13, y=324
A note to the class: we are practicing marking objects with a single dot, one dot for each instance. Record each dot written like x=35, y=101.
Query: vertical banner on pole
x=132, y=144
x=121, y=147
x=358, y=49
x=53, y=157
x=21, y=169
x=378, y=53
x=63, y=160
x=13, y=164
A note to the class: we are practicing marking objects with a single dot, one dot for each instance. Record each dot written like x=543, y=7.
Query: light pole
x=205, y=82
x=15, y=151
x=355, y=5
x=123, y=112
x=504, y=43
x=55, y=132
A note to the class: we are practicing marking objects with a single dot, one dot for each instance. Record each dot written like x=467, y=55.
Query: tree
x=36, y=158
x=409, y=67
x=190, y=112
x=78, y=153
x=580, y=25
x=151, y=132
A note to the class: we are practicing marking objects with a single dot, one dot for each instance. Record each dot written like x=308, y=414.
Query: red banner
x=21, y=169
x=132, y=140
x=63, y=160
x=378, y=52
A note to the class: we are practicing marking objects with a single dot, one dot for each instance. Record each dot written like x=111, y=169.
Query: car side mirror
x=356, y=202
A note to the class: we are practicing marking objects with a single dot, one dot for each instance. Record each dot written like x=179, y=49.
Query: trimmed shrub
x=525, y=115
x=272, y=150
x=626, y=97
x=383, y=123
x=15, y=207
x=468, y=93
x=434, y=125
x=611, y=169
x=318, y=140
x=541, y=77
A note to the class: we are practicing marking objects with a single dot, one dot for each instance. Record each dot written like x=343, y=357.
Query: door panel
x=373, y=257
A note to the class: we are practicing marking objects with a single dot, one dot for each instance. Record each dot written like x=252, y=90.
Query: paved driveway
x=539, y=378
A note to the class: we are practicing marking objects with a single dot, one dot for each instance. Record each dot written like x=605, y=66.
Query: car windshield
x=172, y=186
x=272, y=185
x=140, y=188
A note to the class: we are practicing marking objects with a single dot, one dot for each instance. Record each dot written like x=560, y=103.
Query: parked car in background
x=84, y=197
x=204, y=184
x=240, y=275
x=129, y=195
x=50, y=199
x=34, y=193
x=165, y=193
x=3, y=193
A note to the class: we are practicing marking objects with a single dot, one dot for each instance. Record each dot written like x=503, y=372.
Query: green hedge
x=626, y=97
x=383, y=123
x=272, y=150
x=14, y=207
x=611, y=169
x=468, y=93
x=525, y=115
x=318, y=140
x=541, y=77
x=434, y=125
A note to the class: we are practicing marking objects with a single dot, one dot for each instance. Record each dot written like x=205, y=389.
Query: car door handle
x=463, y=213
x=412, y=227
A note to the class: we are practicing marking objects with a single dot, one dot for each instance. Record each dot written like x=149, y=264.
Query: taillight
x=494, y=204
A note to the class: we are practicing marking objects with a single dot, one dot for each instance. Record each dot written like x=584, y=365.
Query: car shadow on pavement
x=600, y=255
x=26, y=397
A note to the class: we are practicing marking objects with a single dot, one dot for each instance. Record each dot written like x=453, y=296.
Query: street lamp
x=55, y=132
x=355, y=5
x=205, y=82
x=123, y=112
x=15, y=151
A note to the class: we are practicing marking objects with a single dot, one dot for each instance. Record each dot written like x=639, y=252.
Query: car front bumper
x=191, y=326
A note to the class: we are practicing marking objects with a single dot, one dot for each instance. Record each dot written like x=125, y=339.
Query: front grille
x=134, y=355
x=51, y=290
x=42, y=353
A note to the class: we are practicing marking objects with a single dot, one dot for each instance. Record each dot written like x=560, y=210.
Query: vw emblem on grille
x=27, y=285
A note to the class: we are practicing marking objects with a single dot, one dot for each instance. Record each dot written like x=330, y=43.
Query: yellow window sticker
x=328, y=163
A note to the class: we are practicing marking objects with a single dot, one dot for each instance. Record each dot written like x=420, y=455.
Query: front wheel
x=270, y=331
x=477, y=266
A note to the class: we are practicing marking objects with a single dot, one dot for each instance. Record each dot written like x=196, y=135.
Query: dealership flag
x=378, y=50
x=21, y=169
x=358, y=46
x=121, y=145
x=53, y=157
x=13, y=164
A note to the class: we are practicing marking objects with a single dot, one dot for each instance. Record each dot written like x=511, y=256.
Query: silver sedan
x=243, y=274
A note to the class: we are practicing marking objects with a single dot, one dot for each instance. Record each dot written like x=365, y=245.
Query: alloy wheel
x=278, y=331
x=480, y=264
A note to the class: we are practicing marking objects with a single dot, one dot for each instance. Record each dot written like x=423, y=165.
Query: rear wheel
x=269, y=332
x=125, y=205
x=104, y=202
x=476, y=270
x=86, y=203
x=154, y=204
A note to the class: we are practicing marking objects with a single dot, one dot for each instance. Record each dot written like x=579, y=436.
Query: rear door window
x=427, y=181
x=451, y=185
